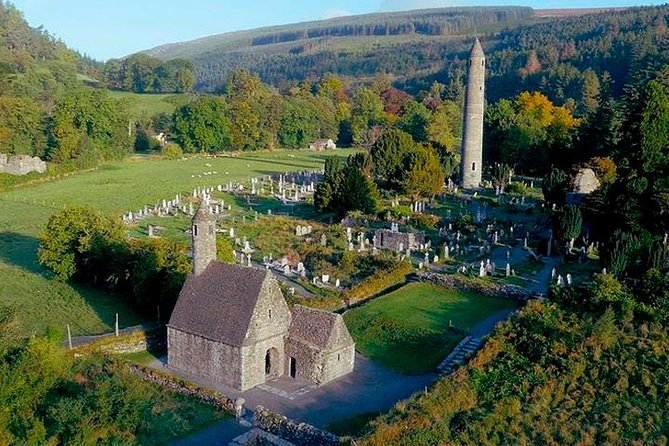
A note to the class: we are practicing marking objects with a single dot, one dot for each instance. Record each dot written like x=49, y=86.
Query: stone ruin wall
x=21, y=164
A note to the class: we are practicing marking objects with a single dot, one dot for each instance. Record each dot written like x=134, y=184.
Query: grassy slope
x=408, y=329
x=113, y=188
x=146, y=105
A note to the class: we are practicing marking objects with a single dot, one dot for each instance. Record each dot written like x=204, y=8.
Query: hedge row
x=379, y=282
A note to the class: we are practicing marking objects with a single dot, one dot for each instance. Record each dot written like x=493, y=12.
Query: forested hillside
x=556, y=56
x=407, y=43
x=45, y=108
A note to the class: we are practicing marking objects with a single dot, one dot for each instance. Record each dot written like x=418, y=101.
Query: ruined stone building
x=21, y=164
x=232, y=325
x=398, y=241
x=471, y=161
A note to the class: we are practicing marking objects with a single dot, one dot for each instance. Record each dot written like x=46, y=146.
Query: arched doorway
x=272, y=362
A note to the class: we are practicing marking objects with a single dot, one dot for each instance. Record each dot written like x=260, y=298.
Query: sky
x=105, y=29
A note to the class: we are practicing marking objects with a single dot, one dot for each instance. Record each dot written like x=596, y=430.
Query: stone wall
x=183, y=387
x=21, y=164
x=302, y=434
x=258, y=437
x=130, y=340
x=253, y=361
x=267, y=330
x=486, y=288
x=387, y=239
x=200, y=356
x=337, y=363
x=307, y=360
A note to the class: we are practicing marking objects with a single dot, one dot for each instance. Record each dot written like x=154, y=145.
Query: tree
x=388, y=151
x=567, y=223
x=328, y=192
x=554, y=186
x=21, y=127
x=655, y=129
x=202, y=125
x=363, y=162
x=346, y=188
x=66, y=242
x=366, y=113
x=87, y=126
x=445, y=127
x=618, y=251
x=501, y=175
x=415, y=121
x=359, y=193
x=420, y=172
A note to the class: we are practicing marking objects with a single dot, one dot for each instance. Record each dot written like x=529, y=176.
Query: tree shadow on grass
x=305, y=211
x=21, y=250
x=298, y=164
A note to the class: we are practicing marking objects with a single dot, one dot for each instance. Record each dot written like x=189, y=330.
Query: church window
x=195, y=230
x=269, y=313
x=211, y=229
x=473, y=167
x=338, y=357
x=483, y=63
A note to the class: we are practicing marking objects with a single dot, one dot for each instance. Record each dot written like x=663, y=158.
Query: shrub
x=517, y=188
x=378, y=282
x=172, y=151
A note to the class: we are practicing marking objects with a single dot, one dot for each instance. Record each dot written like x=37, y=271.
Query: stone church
x=232, y=325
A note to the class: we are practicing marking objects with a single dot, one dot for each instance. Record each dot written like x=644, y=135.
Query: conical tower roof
x=477, y=50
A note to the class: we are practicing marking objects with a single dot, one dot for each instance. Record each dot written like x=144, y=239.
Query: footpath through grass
x=114, y=188
x=409, y=329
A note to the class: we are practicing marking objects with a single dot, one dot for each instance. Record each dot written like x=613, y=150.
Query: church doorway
x=272, y=362
x=293, y=367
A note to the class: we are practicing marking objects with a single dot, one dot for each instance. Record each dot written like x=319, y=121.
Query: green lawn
x=148, y=105
x=408, y=329
x=114, y=188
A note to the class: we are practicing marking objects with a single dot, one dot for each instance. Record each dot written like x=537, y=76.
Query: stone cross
x=324, y=240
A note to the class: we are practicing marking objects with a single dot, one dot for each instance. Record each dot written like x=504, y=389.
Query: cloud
x=334, y=13
x=407, y=5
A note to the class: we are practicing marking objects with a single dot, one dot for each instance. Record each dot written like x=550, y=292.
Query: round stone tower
x=203, y=231
x=472, y=129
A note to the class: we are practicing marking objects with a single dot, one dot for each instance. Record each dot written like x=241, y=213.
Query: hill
x=350, y=46
x=526, y=49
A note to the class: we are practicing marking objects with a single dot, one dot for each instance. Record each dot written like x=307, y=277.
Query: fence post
x=69, y=337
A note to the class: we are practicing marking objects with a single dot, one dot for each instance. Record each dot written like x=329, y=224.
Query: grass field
x=114, y=188
x=408, y=329
x=142, y=106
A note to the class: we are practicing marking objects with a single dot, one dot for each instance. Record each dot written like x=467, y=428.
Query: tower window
x=269, y=313
x=195, y=230
x=473, y=167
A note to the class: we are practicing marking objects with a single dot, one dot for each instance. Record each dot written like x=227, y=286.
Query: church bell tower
x=203, y=232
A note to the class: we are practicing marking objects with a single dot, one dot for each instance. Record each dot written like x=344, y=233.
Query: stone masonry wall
x=485, y=288
x=267, y=330
x=337, y=363
x=302, y=434
x=307, y=360
x=199, y=356
x=183, y=387
x=21, y=164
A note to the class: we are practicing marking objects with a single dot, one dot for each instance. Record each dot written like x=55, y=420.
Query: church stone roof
x=317, y=327
x=218, y=303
